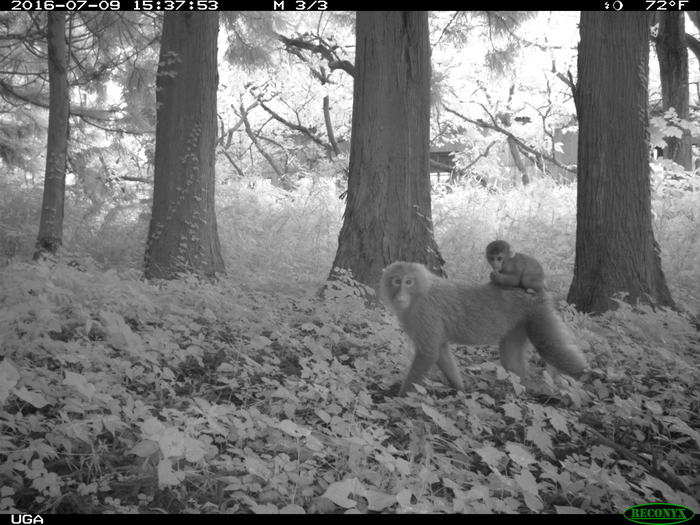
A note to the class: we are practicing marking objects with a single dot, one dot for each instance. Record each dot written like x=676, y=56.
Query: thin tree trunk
x=388, y=214
x=672, y=53
x=513, y=147
x=329, y=125
x=182, y=235
x=615, y=246
x=50, y=235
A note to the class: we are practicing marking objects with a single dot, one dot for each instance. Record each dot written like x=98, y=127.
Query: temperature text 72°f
x=666, y=5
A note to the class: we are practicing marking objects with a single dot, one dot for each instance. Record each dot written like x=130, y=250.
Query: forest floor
x=250, y=394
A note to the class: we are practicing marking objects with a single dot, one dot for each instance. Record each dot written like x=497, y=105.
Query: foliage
x=252, y=395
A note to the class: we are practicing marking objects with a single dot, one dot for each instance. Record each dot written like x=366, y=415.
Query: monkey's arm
x=422, y=362
x=505, y=279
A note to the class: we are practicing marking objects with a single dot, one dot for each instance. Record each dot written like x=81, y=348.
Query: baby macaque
x=514, y=269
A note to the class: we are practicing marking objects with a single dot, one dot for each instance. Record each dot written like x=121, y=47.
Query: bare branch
x=508, y=134
x=91, y=116
x=230, y=131
x=236, y=167
x=481, y=155
x=135, y=179
x=258, y=146
x=297, y=127
x=334, y=62
x=693, y=44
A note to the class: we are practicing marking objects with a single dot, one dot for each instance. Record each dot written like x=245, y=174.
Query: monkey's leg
x=422, y=362
x=513, y=349
x=449, y=368
x=534, y=282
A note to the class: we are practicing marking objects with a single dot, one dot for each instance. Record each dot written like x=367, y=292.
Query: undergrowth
x=252, y=395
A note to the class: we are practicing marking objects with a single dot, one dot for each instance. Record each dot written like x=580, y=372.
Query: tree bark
x=388, y=213
x=50, y=235
x=615, y=246
x=672, y=53
x=183, y=235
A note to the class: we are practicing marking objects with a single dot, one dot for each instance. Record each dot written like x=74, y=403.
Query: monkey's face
x=401, y=288
x=496, y=260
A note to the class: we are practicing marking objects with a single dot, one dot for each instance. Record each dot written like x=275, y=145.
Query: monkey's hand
x=493, y=277
x=505, y=279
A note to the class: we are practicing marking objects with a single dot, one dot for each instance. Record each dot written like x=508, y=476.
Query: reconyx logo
x=658, y=513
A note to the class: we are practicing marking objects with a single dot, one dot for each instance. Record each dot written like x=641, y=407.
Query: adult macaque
x=514, y=269
x=435, y=312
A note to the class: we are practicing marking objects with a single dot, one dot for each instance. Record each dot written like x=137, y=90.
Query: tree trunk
x=182, y=236
x=387, y=214
x=51, y=223
x=615, y=246
x=672, y=52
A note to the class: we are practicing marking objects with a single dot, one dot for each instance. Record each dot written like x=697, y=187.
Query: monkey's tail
x=554, y=341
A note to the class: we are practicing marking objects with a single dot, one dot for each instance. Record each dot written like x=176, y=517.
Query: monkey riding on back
x=514, y=269
x=435, y=312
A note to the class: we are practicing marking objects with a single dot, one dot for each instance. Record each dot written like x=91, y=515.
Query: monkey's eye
x=396, y=281
x=499, y=258
x=408, y=281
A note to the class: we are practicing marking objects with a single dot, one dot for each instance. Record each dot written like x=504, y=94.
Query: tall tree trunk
x=387, y=214
x=672, y=52
x=51, y=223
x=182, y=236
x=615, y=246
